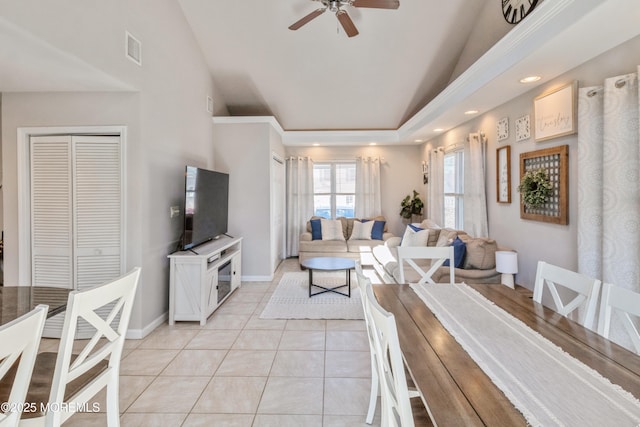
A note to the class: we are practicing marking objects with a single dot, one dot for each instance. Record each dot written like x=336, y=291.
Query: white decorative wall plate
x=523, y=128
x=502, y=128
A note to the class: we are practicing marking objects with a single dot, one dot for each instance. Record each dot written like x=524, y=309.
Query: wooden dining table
x=18, y=300
x=455, y=389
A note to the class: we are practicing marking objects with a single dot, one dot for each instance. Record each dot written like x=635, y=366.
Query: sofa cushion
x=481, y=253
x=459, y=249
x=323, y=246
x=362, y=246
x=361, y=230
x=332, y=229
x=316, y=229
x=414, y=236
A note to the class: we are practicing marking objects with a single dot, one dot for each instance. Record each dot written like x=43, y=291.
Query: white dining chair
x=624, y=302
x=20, y=339
x=79, y=377
x=437, y=254
x=396, y=407
x=585, y=288
x=363, y=283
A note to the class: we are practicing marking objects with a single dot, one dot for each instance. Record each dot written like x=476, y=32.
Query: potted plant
x=411, y=206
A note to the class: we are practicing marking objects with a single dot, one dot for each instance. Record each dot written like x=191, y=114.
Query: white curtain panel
x=299, y=200
x=475, y=195
x=367, y=187
x=436, y=187
x=609, y=186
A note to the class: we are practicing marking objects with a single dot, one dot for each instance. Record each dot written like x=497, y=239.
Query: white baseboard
x=257, y=278
x=138, y=334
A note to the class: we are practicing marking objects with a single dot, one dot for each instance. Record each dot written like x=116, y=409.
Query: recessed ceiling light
x=373, y=143
x=438, y=130
x=530, y=79
x=418, y=140
x=469, y=112
x=315, y=144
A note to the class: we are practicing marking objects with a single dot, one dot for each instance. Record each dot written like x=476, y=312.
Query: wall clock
x=502, y=128
x=523, y=128
x=514, y=11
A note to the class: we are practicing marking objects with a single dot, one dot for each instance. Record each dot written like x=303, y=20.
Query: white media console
x=202, y=278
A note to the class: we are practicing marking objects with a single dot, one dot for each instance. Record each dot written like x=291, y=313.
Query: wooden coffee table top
x=328, y=263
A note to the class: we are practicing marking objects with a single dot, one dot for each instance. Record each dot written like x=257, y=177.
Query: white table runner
x=549, y=386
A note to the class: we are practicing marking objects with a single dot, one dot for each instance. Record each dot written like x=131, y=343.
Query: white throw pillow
x=412, y=237
x=331, y=229
x=361, y=230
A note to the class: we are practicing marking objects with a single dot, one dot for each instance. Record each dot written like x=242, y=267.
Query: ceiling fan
x=336, y=6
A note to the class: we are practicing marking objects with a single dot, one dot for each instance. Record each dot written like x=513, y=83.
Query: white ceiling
x=317, y=77
x=403, y=76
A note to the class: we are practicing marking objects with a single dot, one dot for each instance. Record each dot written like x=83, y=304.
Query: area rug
x=291, y=299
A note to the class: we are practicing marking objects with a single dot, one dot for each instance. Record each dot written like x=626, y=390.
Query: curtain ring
x=620, y=83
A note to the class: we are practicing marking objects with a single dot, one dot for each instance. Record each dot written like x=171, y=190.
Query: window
x=334, y=189
x=454, y=190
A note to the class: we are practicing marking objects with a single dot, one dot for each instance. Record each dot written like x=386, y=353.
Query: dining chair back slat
x=363, y=283
x=396, y=407
x=20, y=339
x=624, y=302
x=585, y=288
x=437, y=254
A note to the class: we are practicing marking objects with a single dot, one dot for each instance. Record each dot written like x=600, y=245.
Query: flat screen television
x=206, y=206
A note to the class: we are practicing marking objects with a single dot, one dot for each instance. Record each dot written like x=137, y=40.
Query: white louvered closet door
x=77, y=214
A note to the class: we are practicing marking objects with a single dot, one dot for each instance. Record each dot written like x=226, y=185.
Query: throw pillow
x=481, y=253
x=331, y=229
x=316, y=230
x=446, y=237
x=429, y=223
x=377, y=231
x=361, y=230
x=459, y=250
x=414, y=236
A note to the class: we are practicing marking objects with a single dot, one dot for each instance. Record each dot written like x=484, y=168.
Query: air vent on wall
x=133, y=49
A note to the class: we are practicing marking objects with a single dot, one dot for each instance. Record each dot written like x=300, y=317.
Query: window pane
x=345, y=206
x=450, y=211
x=345, y=178
x=322, y=178
x=322, y=206
x=450, y=173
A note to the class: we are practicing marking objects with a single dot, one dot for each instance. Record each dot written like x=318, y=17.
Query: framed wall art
x=503, y=174
x=502, y=128
x=523, y=128
x=554, y=113
x=550, y=165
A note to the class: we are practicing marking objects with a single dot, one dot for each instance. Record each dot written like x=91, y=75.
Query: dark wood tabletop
x=18, y=300
x=456, y=389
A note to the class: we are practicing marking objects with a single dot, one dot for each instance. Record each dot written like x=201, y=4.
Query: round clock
x=514, y=11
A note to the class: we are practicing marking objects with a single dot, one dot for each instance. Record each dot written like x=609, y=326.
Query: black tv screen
x=206, y=204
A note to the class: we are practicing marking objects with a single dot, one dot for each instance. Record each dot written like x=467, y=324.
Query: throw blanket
x=549, y=387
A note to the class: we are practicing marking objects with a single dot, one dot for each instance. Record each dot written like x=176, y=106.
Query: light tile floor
x=239, y=370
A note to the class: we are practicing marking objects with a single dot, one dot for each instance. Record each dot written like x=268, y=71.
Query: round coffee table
x=329, y=264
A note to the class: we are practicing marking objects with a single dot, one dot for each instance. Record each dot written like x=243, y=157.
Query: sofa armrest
x=505, y=248
x=305, y=237
x=393, y=242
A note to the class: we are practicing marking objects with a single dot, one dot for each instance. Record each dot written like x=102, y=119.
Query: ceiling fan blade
x=307, y=18
x=347, y=23
x=377, y=4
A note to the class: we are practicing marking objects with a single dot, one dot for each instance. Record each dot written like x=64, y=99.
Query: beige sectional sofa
x=479, y=262
x=346, y=248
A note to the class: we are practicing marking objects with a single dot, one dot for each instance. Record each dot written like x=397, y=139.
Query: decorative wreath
x=535, y=188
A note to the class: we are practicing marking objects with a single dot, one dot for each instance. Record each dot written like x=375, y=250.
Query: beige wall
x=168, y=125
x=535, y=240
x=400, y=173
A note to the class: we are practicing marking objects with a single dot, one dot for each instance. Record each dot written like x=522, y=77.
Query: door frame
x=24, y=185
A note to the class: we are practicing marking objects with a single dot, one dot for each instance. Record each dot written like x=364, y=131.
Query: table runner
x=546, y=384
